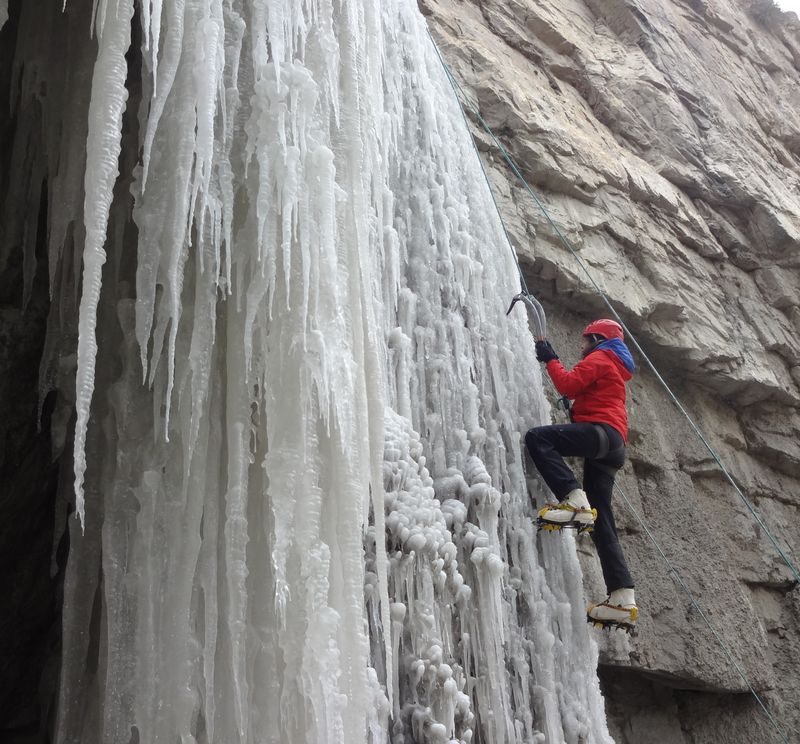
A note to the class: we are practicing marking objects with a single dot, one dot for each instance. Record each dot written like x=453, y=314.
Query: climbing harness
x=672, y=570
x=605, y=444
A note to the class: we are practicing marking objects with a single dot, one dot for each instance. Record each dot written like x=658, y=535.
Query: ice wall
x=297, y=447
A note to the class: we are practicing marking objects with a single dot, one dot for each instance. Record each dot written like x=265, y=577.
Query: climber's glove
x=545, y=352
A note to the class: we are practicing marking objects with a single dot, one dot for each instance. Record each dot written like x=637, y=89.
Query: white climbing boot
x=618, y=611
x=574, y=511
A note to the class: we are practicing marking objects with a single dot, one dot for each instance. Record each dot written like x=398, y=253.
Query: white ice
x=300, y=405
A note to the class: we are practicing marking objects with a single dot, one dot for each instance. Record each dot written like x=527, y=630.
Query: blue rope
x=506, y=155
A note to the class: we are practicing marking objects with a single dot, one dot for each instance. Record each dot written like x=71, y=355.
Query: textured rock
x=29, y=609
x=664, y=139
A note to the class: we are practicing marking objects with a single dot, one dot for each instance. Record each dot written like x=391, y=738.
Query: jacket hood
x=618, y=349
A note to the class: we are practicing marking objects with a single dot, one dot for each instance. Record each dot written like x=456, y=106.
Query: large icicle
x=109, y=95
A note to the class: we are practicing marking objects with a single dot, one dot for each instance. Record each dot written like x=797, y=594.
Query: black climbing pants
x=604, y=455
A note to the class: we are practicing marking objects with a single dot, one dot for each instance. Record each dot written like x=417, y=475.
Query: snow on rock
x=300, y=401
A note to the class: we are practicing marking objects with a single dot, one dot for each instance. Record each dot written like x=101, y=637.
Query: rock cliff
x=664, y=139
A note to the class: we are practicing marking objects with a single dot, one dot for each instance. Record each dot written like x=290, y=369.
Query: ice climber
x=598, y=433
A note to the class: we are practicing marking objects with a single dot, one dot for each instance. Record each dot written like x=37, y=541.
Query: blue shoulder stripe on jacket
x=621, y=350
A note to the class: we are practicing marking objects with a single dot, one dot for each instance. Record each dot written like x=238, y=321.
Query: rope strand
x=453, y=84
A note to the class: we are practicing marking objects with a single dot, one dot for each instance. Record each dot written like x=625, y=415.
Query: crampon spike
x=629, y=628
x=579, y=527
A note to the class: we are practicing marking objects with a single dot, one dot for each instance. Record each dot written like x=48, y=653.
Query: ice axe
x=535, y=313
x=539, y=320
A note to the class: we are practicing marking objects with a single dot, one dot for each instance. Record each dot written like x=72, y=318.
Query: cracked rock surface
x=664, y=139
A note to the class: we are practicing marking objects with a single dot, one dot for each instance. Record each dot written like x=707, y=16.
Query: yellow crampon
x=550, y=525
x=629, y=628
x=557, y=527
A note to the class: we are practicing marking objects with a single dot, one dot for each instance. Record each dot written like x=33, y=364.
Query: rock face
x=29, y=574
x=664, y=139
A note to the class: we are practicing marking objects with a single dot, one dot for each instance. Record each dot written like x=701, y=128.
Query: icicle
x=209, y=61
x=103, y=147
x=163, y=78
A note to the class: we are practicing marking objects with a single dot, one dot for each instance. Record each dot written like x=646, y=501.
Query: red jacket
x=597, y=386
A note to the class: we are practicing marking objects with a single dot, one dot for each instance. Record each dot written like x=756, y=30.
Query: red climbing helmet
x=606, y=328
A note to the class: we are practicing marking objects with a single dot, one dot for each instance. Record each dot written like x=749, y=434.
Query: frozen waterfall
x=300, y=405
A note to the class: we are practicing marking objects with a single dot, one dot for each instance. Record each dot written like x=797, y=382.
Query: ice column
x=485, y=640
x=299, y=433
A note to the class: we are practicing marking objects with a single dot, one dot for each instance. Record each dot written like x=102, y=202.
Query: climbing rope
x=523, y=284
x=539, y=324
x=459, y=94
